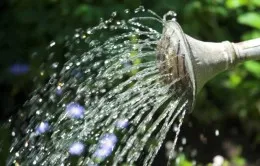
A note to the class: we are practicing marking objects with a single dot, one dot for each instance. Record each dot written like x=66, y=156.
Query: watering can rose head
x=185, y=61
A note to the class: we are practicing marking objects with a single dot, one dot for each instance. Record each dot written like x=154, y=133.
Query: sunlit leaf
x=251, y=35
x=235, y=3
x=251, y=19
x=182, y=161
x=239, y=161
x=256, y=2
x=253, y=67
x=235, y=79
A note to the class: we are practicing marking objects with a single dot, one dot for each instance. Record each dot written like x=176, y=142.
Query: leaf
x=251, y=19
x=235, y=3
x=183, y=161
x=82, y=9
x=239, y=161
x=253, y=67
x=235, y=79
x=256, y=2
x=251, y=35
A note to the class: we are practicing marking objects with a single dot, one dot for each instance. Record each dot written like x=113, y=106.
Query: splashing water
x=108, y=105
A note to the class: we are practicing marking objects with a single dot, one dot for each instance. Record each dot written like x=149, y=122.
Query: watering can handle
x=248, y=50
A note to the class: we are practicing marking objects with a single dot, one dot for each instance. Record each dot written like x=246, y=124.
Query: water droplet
x=52, y=44
x=183, y=141
x=26, y=144
x=216, y=132
x=170, y=16
x=168, y=145
x=55, y=65
x=114, y=14
x=139, y=9
x=42, y=73
x=89, y=32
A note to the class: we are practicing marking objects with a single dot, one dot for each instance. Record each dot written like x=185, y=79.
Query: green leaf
x=235, y=79
x=256, y=2
x=253, y=67
x=81, y=10
x=251, y=35
x=182, y=161
x=239, y=161
x=235, y=3
x=251, y=19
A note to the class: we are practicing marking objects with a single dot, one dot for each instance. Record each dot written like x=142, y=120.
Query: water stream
x=109, y=104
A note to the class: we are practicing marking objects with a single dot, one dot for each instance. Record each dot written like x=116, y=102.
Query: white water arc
x=109, y=104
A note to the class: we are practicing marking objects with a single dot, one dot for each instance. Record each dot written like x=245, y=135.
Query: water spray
x=195, y=62
x=112, y=96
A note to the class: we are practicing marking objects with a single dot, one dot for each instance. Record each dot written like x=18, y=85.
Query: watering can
x=180, y=56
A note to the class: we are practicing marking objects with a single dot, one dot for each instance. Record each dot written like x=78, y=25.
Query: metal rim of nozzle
x=173, y=55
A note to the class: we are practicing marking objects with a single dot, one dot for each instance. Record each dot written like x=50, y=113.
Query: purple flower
x=74, y=110
x=102, y=153
x=122, y=123
x=42, y=128
x=76, y=148
x=108, y=141
x=106, y=146
x=59, y=91
x=18, y=69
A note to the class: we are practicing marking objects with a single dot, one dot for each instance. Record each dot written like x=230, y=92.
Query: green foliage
x=251, y=19
x=181, y=160
x=253, y=67
x=233, y=4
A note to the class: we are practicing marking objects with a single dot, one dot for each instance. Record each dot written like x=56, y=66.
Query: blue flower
x=108, y=141
x=42, y=128
x=76, y=148
x=105, y=146
x=19, y=69
x=59, y=91
x=74, y=110
x=102, y=153
x=122, y=123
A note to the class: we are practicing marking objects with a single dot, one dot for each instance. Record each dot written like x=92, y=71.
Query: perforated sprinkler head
x=188, y=61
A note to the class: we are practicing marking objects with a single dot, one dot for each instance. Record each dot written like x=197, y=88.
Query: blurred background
x=225, y=123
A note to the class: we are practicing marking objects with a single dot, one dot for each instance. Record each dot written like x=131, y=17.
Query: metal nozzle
x=195, y=62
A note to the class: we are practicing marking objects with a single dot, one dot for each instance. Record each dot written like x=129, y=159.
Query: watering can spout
x=209, y=59
x=202, y=60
